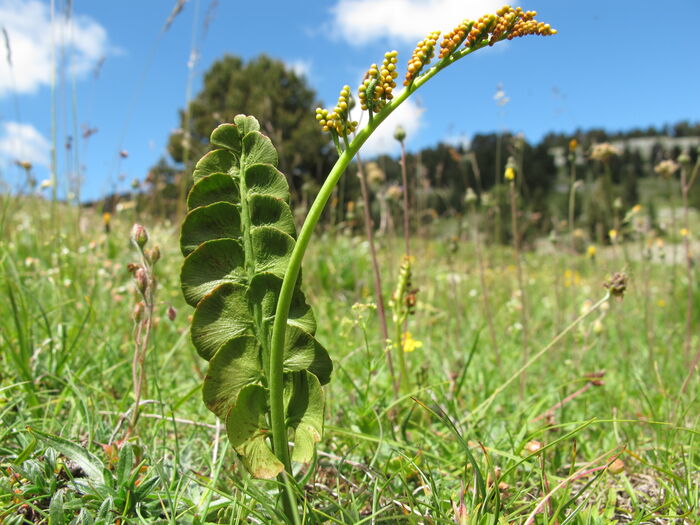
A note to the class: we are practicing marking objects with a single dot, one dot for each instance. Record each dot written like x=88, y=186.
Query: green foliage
x=237, y=239
x=282, y=101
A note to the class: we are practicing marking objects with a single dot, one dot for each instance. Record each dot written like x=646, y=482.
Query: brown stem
x=375, y=269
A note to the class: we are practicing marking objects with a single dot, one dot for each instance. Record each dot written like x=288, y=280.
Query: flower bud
x=470, y=197
x=153, y=255
x=400, y=133
x=137, y=313
x=141, y=280
x=139, y=235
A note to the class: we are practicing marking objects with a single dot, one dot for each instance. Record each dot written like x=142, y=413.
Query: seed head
x=617, y=284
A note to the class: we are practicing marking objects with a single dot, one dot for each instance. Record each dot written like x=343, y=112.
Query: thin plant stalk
x=379, y=296
x=521, y=280
x=572, y=198
x=674, y=229
x=476, y=239
x=487, y=402
x=687, y=180
x=404, y=178
x=146, y=284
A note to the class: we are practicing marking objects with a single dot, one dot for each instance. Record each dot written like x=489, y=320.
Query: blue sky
x=614, y=64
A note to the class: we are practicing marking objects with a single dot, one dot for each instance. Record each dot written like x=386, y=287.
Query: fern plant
x=237, y=239
x=243, y=259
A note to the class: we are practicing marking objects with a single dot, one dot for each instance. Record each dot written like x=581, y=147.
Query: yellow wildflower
x=573, y=144
x=510, y=174
x=591, y=251
x=636, y=208
x=684, y=232
x=106, y=217
x=661, y=303
x=410, y=344
x=613, y=234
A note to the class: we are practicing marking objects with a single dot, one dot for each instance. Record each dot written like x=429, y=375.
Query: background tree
x=279, y=98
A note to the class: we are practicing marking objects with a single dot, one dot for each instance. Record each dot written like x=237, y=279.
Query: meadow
x=520, y=347
x=601, y=427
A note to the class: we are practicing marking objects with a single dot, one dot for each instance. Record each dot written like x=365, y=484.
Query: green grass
x=65, y=381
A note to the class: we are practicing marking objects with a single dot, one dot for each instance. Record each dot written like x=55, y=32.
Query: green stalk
x=277, y=415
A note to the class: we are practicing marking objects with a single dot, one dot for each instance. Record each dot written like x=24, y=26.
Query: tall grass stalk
x=524, y=316
x=488, y=311
x=688, y=178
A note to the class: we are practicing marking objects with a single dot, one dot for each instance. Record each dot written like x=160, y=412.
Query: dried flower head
x=604, y=151
x=666, y=168
x=617, y=284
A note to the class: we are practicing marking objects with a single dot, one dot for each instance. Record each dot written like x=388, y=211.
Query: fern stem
x=276, y=376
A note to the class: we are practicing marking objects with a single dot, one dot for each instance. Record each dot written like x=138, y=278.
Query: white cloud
x=23, y=142
x=34, y=39
x=300, y=67
x=408, y=115
x=360, y=21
